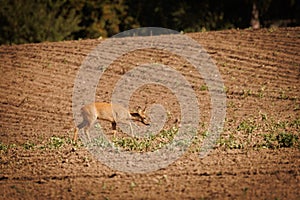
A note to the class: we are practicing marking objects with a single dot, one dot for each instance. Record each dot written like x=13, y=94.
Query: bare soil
x=261, y=73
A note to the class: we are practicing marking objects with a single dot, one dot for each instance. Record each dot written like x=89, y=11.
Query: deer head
x=141, y=116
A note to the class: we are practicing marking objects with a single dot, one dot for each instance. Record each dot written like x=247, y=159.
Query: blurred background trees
x=29, y=21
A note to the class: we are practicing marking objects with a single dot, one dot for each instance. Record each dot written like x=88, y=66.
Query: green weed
x=295, y=124
x=247, y=93
x=56, y=142
x=287, y=140
x=230, y=142
x=278, y=134
x=281, y=140
x=3, y=147
x=264, y=117
x=269, y=141
x=247, y=126
x=132, y=185
x=261, y=92
x=6, y=147
x=282, y=95
x=149, y=143
x=28, y=145
x=52, y=143
x=100, y=142
x=203, y=88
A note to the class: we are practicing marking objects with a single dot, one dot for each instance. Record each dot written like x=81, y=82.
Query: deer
x=113, y=113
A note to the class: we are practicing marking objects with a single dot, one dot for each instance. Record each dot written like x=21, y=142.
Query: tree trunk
x=255, y=16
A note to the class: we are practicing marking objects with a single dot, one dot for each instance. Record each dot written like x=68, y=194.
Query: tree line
x=30, y=21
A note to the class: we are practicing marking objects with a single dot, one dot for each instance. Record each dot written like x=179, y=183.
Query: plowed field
x=256, y=157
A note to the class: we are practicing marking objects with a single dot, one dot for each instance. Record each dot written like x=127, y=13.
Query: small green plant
x=56, y=142
x=281, y=125
x=230, y=142
x=264, y=117
x=287, y=139
x=104, y=186
x=149, y=143
x=204, y=88
x=100, y=142
x=65, y=61
x=246, y=93
x=231, y=104
x=28, y=145
x=281, y=140
x=261, y=92
x=282, y=95
x=52, y=143
x=3, y=147
x=246, y=126
x=226, y=89
x=269, y=141
x=296, y=124
x=132, y=185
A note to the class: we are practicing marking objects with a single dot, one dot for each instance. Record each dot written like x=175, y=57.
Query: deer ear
x=139, y=110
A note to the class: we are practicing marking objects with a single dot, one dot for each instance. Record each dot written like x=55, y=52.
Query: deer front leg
x=114, y=128
x=75, y=136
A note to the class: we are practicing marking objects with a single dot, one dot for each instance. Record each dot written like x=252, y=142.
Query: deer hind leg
x=86, y=126
x=131, y=130
x=87, y=133
x=80, y=126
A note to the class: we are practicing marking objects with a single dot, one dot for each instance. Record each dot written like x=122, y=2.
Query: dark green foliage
x=27, y=21
x=198, y=15
x=282, y=140
x=287, y=139
x=102, y=18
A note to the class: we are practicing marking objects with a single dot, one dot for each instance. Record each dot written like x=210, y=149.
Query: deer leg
x=114, y=128
x=114, y=125
x=131, y=130
x=75, y=136
x=80, y=126
x=86, y=131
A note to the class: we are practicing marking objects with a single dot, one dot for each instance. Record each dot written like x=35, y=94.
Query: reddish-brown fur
x=113, y=113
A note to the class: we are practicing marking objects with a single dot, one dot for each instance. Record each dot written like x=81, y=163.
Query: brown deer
x=113, y=113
